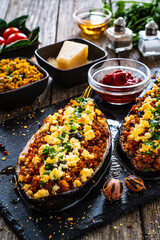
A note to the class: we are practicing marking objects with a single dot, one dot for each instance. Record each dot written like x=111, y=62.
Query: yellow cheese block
x=72, y=54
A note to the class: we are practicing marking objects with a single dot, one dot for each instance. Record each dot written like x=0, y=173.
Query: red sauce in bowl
x=120, y=78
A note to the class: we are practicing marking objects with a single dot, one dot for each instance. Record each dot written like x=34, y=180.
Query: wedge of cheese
x=72, y=54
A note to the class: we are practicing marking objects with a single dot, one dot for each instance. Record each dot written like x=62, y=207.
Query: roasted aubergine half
x=140, y=134
x=65, y=158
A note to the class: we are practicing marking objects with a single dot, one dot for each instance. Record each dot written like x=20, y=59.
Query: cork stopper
x=120, y=25
x=151, y=28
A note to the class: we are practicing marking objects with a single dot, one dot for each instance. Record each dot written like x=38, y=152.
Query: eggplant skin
x=64, y=200
x=68, y=198
x=138, y=138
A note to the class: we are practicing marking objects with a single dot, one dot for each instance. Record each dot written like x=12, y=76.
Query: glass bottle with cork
x=149, y=40
x=119, y=36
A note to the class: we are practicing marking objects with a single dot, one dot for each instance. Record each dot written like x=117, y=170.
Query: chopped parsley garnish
x=49, y=151
x=42, y=184
x=151, y=143
x=155, y=135
x=78, y=110
x=66, y=146
x=149, y=152
x=70, y=121
x=73, y=128
x=62, y=136
x=7, y=69
x=147, y=170
x=61, y=157
x=78, y=115
x=49, y=166
x=88, y=112
x=152, y=111
x=156, y=81
x=47, y=173
x=154, y=123
x=81, y=100
x=147, y=142
x=46, y=150
x=158, y=108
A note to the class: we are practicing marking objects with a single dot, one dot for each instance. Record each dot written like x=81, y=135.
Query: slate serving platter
x=93, y=211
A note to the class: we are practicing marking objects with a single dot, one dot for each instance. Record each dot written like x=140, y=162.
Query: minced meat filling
x=66, y=150
x=140, y=135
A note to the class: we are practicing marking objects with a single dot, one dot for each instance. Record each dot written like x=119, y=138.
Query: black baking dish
x=24, y=95
x=73, y=76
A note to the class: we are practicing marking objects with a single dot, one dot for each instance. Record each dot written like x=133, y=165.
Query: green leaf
x=120, y=9
x=88, y=112
x=2, y=47
x=42, y=184
x=17, y=44
x=137, y=15
x=18, y=22
x=158, y=97
x=52, y=156
x=34, y=34
x=49, y=166
x=3, y=25
x=62, y=136
x=147, y=170
x=46, y=150
x=52, y=150
x=73, y=128
x=81, y=100
x=7, y=69
x=47, y=173
x=156, y=81
x=66, y=146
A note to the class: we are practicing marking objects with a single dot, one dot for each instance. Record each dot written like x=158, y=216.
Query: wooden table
x=55, y=20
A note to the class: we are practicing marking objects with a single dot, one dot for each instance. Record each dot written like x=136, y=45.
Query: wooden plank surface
x=55, y=20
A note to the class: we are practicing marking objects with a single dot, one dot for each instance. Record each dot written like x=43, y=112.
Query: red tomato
x=2, y=40
x=10, y=31
x=15, y=37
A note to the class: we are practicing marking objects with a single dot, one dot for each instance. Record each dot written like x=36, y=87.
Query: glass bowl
x=118, y=94
x=92, y=21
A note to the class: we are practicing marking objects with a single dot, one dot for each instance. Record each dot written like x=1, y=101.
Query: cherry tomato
x=15, y=37
x=2, y=40
x=10, y=31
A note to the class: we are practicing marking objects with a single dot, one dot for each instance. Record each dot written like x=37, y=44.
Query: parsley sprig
x=137, y=15
x=49, y=151
x=151, y=143
x=62, y=136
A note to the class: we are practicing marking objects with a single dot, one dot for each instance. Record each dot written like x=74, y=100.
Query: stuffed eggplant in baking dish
x=66, y=157
x=140, y=134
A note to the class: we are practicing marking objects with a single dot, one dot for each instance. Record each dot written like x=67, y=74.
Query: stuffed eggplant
x=65, y=158
x=140, y=133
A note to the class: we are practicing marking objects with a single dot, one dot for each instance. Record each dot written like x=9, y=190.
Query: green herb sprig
x=137, y=15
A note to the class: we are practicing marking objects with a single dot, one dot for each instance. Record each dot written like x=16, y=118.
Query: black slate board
x=92, y=212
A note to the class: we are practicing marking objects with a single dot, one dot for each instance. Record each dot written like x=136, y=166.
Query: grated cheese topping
x=65, y=161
